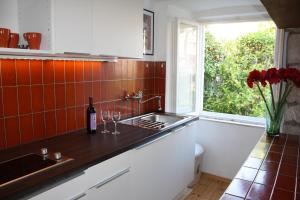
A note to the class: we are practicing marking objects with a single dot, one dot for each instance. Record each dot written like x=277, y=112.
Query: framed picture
x=148, y=32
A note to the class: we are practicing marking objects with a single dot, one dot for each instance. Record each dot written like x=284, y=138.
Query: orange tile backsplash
x=45, y=98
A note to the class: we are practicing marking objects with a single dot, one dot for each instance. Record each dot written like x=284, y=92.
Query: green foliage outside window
x=227, y=65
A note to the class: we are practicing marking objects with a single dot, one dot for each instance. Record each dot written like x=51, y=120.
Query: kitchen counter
x=85, y=149
x=270, y=172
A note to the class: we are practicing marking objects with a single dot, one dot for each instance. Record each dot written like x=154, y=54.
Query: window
x=187, y=67
x=231, y=51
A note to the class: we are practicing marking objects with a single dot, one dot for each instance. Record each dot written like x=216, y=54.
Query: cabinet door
x=118, y=28
x=115, y=187
x=163, y=169
x=72, y=26
x=69, y=190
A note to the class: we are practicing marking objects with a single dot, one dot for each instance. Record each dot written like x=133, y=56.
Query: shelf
x=48, y=54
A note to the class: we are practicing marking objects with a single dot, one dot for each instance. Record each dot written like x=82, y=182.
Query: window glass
x=231, y=51
x=187, y=67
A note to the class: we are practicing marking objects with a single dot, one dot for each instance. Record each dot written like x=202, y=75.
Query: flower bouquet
x=287, y=78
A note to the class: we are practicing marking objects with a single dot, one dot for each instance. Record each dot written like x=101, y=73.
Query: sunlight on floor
x=208, y=188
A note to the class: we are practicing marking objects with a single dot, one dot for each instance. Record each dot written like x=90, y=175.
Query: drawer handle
x=78, y=196
x=113, y=177
x=152, y=141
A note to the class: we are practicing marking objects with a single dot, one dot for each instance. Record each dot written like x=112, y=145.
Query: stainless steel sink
x=162, y=118
x=157, y=121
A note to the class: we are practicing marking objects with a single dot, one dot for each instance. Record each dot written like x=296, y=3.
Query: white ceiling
x=214, y=10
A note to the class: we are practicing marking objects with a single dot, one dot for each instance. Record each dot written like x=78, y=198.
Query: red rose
x=272, y=76
x=254, y=76
x=263, y=78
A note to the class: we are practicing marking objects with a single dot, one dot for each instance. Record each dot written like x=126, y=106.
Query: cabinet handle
x=113, y=177
x=78, y=196
x=179, y=129
x=152, y=141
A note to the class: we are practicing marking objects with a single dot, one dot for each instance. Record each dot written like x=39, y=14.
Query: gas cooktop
x=26, y=165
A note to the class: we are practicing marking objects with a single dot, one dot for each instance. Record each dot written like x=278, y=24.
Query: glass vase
x=273, y=125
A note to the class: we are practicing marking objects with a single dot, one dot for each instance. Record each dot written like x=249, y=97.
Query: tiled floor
x=208, y=188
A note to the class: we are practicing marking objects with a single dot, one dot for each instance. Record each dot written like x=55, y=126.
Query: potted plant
x=287, y=78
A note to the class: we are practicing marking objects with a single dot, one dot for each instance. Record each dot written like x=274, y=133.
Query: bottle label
x=93, y=121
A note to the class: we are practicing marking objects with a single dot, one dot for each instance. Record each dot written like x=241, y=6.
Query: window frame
x=234, y=118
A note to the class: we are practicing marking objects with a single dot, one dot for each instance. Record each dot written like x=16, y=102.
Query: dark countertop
x=270, y=172
x=85, y=149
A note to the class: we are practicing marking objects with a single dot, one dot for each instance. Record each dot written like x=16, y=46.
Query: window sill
x=233, y=119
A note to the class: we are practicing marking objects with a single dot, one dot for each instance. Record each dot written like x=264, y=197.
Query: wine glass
x=116, y=116
x=105, y=116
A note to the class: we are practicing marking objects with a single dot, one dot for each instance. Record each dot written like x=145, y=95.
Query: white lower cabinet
x=115, y=188
x=163, y=168
x=71, y=189
x=159, y=170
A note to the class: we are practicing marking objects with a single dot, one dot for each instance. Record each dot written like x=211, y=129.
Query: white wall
x=226, y=145
x=9, y=15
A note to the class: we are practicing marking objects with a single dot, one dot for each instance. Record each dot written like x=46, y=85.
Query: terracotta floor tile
x=292, y=151
x=246, y=173
x=270, y=166
x=297, y=196
x=238, y=188
x=280, y=140
x=276, y=148
x=288, y=170
x=285, y=182
x=230, y=197
x=259, y=192
x=253, y=162
x=279, y=194
x=266, y=178
x=266, y=139
x=289, y=159
x=273, y=157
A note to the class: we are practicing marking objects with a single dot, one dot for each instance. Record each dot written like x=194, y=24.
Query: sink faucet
x=139, y=96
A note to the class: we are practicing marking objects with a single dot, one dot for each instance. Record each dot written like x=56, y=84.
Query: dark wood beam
x=285, y=13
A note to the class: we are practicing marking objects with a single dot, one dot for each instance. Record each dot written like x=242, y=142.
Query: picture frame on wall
x=148, y=32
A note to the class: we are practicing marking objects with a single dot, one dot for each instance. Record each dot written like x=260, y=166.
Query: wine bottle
x=91, y=117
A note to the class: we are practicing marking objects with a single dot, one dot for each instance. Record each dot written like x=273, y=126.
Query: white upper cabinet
x=118, y=28
x=72, y=26
x=96, y=27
